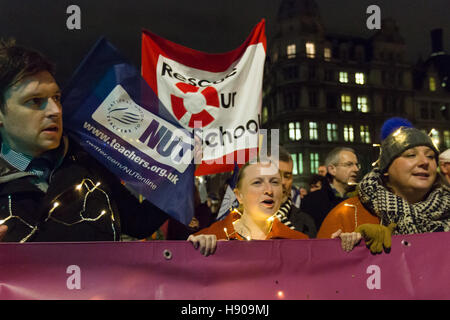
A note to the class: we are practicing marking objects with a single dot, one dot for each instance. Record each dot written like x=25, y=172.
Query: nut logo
x=195, y=104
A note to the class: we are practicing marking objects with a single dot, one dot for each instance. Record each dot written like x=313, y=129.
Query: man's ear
x=1, y=117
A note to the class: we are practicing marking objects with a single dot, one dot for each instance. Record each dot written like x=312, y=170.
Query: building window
x=348, y=133
x=332, y=132
x=295, y=132
x=297, y=159
x=290, y=72
x=311, y=72
x=312, y=95
x=447, y=138
x=346, y=102
x=362, y=104
x=314, y=162
x=290, y=100
x=364, y=133
x=424, y=114
x=332, y=100
x=313, y=131
x=291, y=51
x=360, y=78
x=310, y=50
x=343, y=77
x=329, y=75
x=265, y=114
x=327, y=54
x=432, y=84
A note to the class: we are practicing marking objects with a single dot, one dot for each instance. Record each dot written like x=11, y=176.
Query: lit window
x=359, y=78
x=432, y=84
x=291, y=51
x=327, y=54
x=313, y=131
x=314, y=162
x=295, y=133
x=362, y=104
x=364, y=133
x=332, y=133
x=265, y=114
x=346, y=102
x=447, y=138
x=343, y=77
x=297, y=159
x=310, y=50
x=348, y=133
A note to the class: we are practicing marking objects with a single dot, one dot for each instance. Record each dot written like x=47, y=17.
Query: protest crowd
x=103, y=160
x=406, y=192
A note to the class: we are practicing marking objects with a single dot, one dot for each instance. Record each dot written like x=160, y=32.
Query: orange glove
x=377, y=236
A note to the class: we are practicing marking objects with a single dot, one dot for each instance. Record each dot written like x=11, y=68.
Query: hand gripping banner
x=416, y=268
x=116, y=117
x=218, y=95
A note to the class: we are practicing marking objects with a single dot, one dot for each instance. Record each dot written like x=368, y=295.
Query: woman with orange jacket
x=259, y=192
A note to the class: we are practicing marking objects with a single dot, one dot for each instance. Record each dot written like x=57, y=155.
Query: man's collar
x=21, y=161
x=18, y=160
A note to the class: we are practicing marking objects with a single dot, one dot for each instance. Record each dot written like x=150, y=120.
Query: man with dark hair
x=288, y=213
x=50, y=189
x=342, y=172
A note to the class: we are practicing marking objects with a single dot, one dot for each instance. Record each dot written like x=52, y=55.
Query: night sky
x=206, y=25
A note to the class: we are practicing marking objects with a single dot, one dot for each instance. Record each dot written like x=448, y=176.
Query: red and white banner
x=220, y=95
x=416, y=268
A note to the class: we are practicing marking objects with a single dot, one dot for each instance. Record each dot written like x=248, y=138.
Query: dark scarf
x=429, y=215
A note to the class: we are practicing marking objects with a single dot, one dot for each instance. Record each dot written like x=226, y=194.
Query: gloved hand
x=377, y=236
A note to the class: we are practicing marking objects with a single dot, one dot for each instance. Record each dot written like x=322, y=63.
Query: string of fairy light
x=246, y=237
x=85, y=184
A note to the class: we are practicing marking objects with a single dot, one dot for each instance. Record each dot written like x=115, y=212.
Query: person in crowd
x=203, y=217
x=444, y=165
x=322, y=170
x=259, y=192
x=316, y=181
x=213, y=203
x=289, y=214
x=50, y=189
x=343, y=168
x=303, y=192
x=403, y=194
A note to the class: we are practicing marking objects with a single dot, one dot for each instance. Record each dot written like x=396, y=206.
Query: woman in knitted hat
x=259, y=192
x=403, y=194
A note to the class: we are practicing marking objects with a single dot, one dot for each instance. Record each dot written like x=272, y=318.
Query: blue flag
x=117, y=118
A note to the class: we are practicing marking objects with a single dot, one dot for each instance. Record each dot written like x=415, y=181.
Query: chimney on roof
x=437, y=46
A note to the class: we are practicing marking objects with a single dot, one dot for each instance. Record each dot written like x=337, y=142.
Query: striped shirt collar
x=18, y=160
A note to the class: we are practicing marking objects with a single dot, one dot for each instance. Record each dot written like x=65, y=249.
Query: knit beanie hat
x=400, y=140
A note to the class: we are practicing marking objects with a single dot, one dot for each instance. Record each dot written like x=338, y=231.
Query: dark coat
x=318, y=203
x=302, y=222
x=30, y=206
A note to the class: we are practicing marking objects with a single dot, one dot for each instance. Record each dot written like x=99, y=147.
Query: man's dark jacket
x=31, y=208
x=319, y=203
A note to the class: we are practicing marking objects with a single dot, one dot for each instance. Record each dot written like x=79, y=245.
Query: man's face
x=286, y=177
x=445, y=169
x=346, y=171
x=31, y=120
x=322, y=170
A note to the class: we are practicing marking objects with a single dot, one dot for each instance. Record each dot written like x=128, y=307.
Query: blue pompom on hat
x=392, y=124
